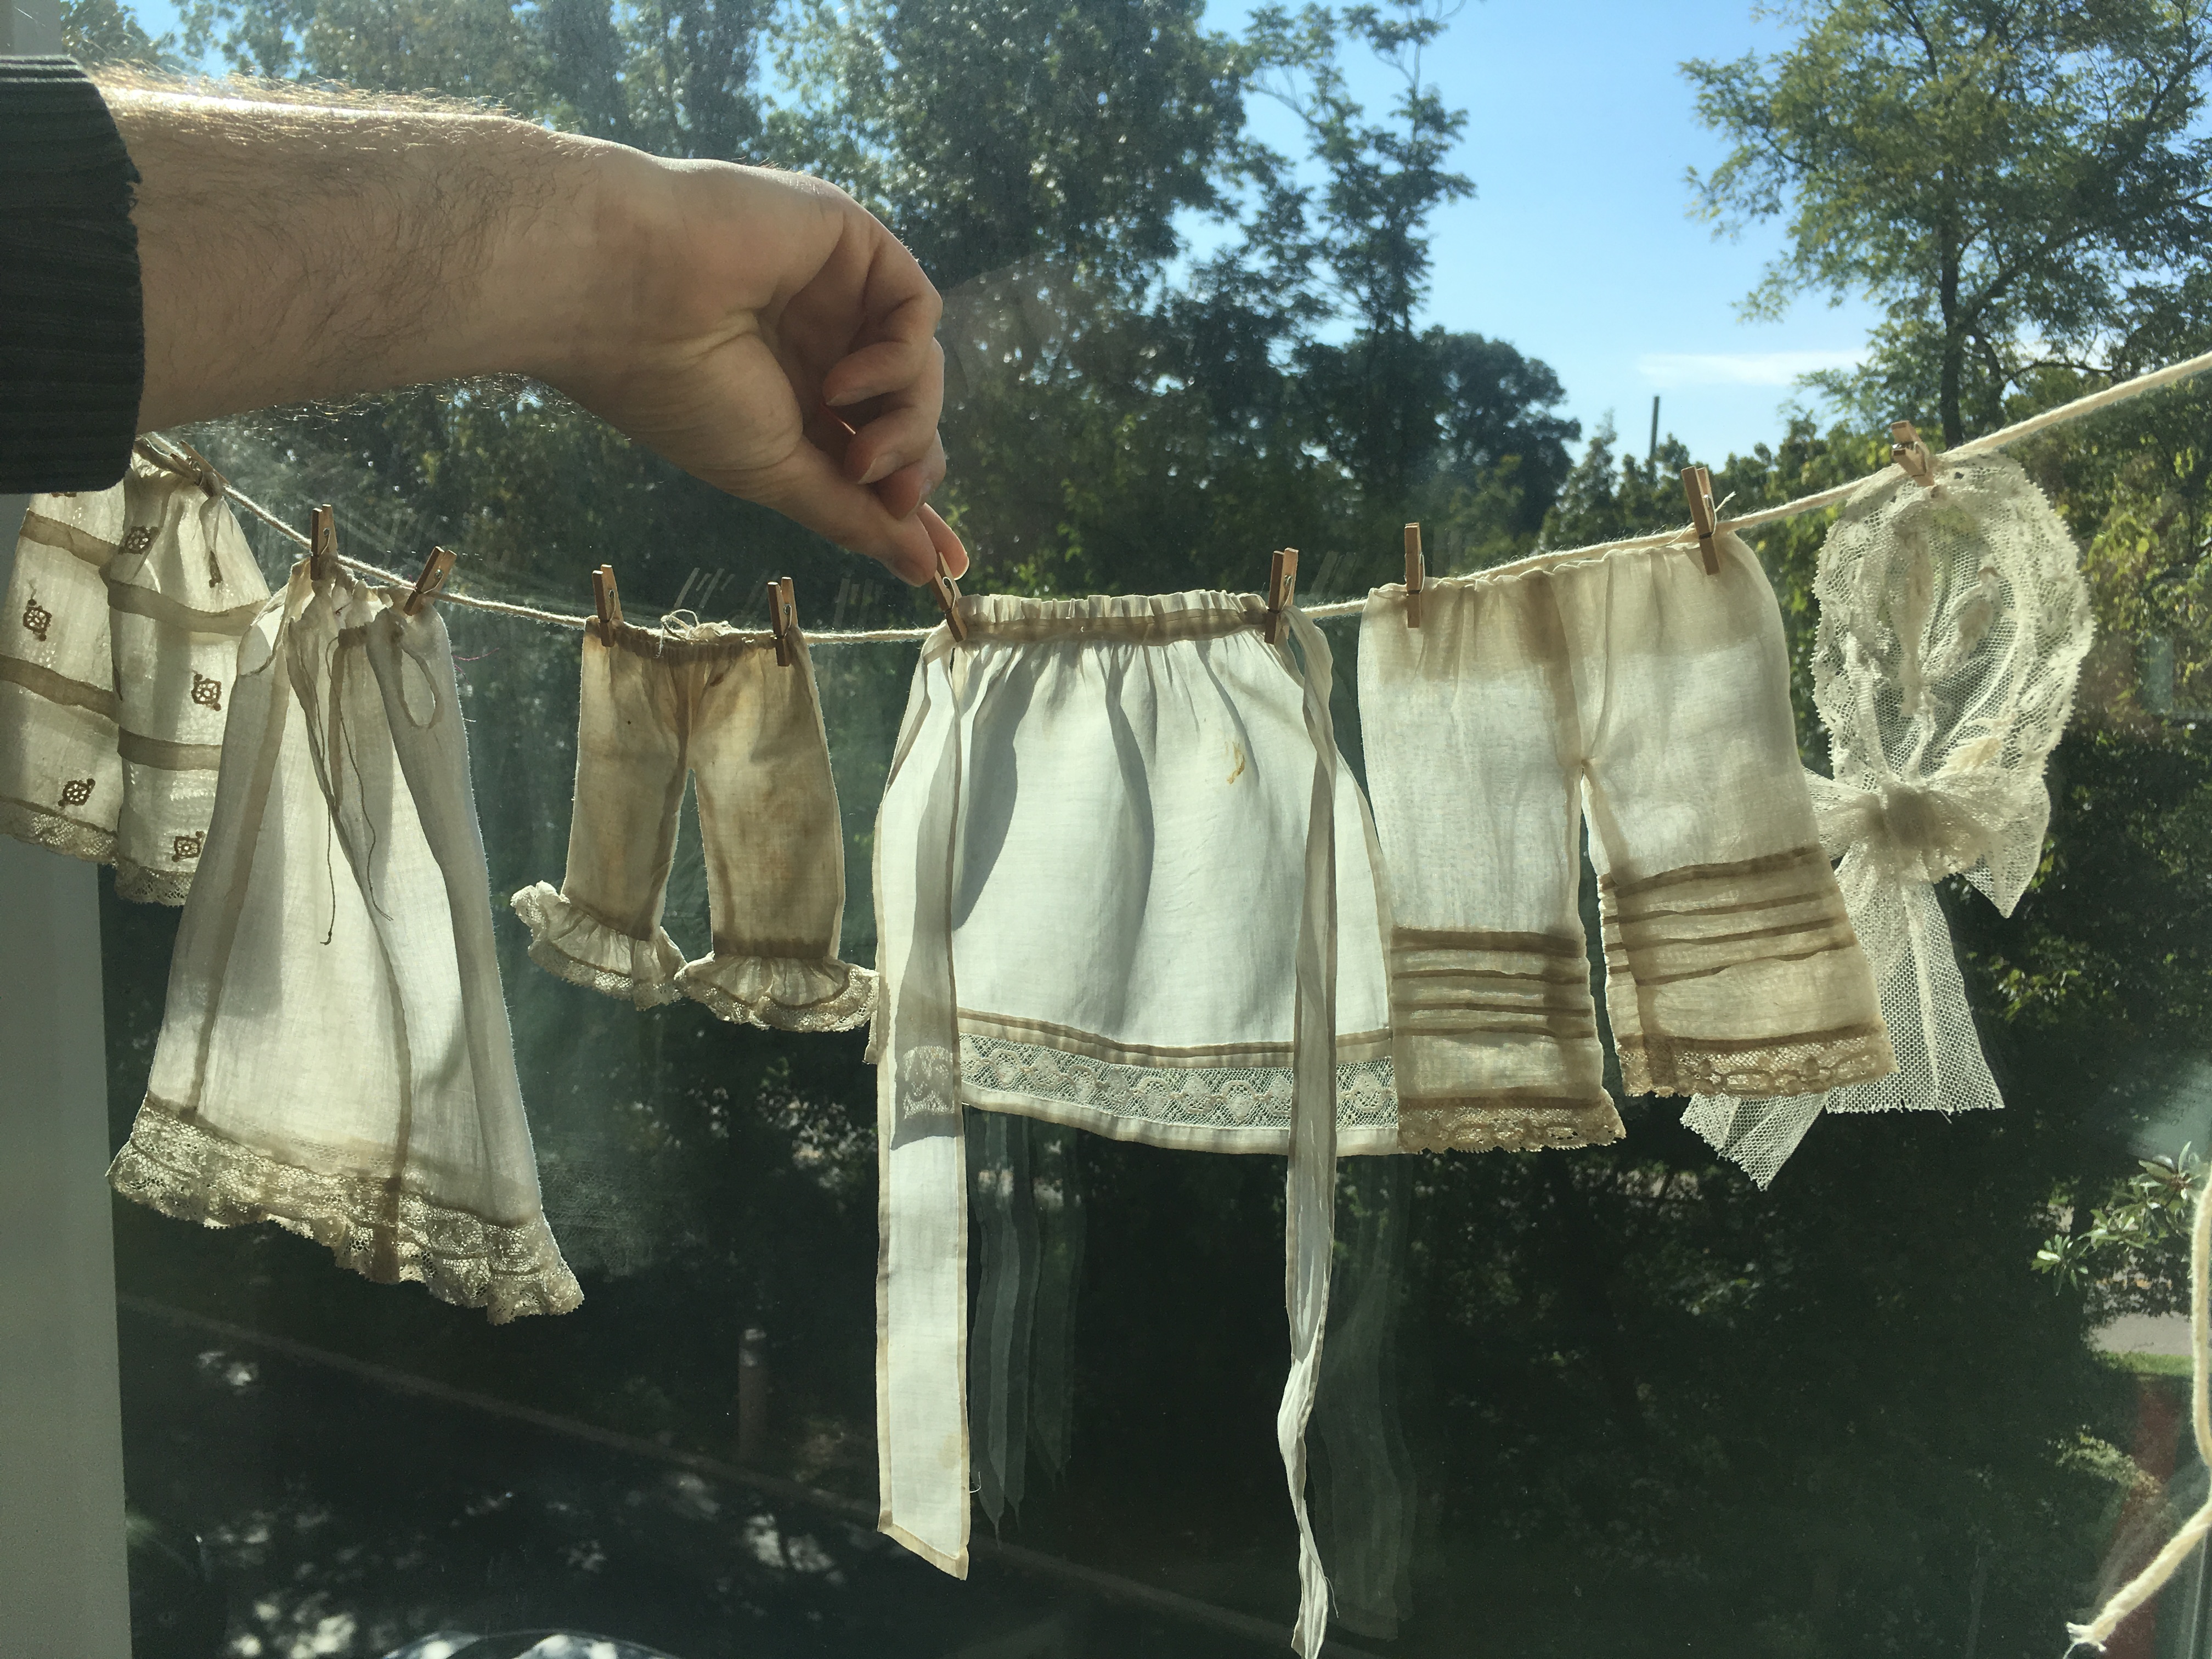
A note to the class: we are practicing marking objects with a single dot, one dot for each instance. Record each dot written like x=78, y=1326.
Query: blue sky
x=1578, y=245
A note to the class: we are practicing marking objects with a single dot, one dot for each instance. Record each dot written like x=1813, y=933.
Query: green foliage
x=2011, y=179
x=2133, y=1257
x=103, y=32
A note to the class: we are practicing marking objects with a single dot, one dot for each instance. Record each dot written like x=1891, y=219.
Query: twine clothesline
x=181, y=458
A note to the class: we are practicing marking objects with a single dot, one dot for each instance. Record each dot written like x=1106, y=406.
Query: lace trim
x=1787, y=1066
x=782, y=994
x=570, y=944
x=134, y=881
x=43, y=829
x=1226, y=1097
x=190, y=1172
x=1488, y=1123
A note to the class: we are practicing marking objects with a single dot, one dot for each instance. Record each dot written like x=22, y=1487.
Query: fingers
x=944, y=542
x=911, y=370
x=810, y=488
x=891, y=443
x=897, y=429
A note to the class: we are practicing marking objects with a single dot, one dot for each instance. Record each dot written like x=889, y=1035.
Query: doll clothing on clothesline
x=1122, y=883
x=335, y=1054
x=714, y=705
x=1634, y=693
x=117, y=647
x=1953, y=623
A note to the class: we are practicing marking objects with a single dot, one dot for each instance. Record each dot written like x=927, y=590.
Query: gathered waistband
x=1139, y=618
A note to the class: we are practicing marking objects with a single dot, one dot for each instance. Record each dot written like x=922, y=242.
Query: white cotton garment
x=335, y=1054
x=714, y=705
x=1122, y=883
x=117, y=647
x=1953, y=623
x=1631, y=691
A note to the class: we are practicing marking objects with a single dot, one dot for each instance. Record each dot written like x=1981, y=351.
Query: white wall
x=63, y=1590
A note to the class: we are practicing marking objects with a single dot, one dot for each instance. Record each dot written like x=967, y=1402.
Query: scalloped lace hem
x=1492, y=1123
x=510, y=1270
x=40, y=827
x=782, y=994
x=136, y=882
x=1802, y=1066
x=569, y=943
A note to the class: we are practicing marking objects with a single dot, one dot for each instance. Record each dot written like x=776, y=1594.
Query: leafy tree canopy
x=2017, y=182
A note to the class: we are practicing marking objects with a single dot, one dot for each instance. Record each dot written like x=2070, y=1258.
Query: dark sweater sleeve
x=72, y=320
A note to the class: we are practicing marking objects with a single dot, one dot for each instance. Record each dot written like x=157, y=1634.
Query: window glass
x=1926, y=1393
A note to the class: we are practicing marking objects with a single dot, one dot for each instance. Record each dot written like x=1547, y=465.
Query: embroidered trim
x=188, y=1172
x=37, y=619
x=1505, y=1122
x=1226, y=1097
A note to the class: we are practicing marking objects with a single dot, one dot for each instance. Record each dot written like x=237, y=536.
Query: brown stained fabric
x=1636, y=695
x=712, y=708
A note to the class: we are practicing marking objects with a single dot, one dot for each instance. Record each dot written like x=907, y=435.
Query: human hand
x=760, y=329
x=768, y=334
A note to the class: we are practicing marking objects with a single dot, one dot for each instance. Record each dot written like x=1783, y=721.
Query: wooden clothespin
x=946, y=592
x=783, y=620
x=1417, y=575
x=1282, y=589
x=322, y=543
x=1698, y=485
x=606, y=598
x=435, y=569
x=1906, y=449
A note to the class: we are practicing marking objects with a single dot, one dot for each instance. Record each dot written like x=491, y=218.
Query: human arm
x=294, y=253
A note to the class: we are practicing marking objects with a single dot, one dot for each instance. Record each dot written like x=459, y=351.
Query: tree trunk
x=1954, y=342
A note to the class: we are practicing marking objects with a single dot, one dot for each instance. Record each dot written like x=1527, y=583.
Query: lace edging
x=782, y=994
x=571, y=945
x=510, y=1270
x=1231, y=1098
x=142, y=885
x=1500, y=1123
x=27, y=823
x=1785, y=1067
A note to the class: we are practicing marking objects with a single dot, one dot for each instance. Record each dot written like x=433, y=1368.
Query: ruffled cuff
x=571, y=943
x=782, y=994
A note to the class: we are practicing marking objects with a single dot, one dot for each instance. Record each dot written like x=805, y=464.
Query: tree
x=2010, y=178
x=986, y=131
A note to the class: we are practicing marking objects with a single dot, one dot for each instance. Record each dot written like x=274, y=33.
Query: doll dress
x=334, y=1055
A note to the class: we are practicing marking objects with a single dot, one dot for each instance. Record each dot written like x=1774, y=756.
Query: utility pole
x=1652, y=458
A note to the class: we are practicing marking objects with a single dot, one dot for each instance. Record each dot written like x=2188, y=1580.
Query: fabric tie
x=923, y=1444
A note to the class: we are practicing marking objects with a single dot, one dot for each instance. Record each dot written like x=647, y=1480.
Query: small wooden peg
x=1698, y=485
x=946, y=592
x=783, y=620
x=1282, y=591
x=1907, y=450
x=1417, y=575
x=607, y=598
x=435, y=569
x=322, y=543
